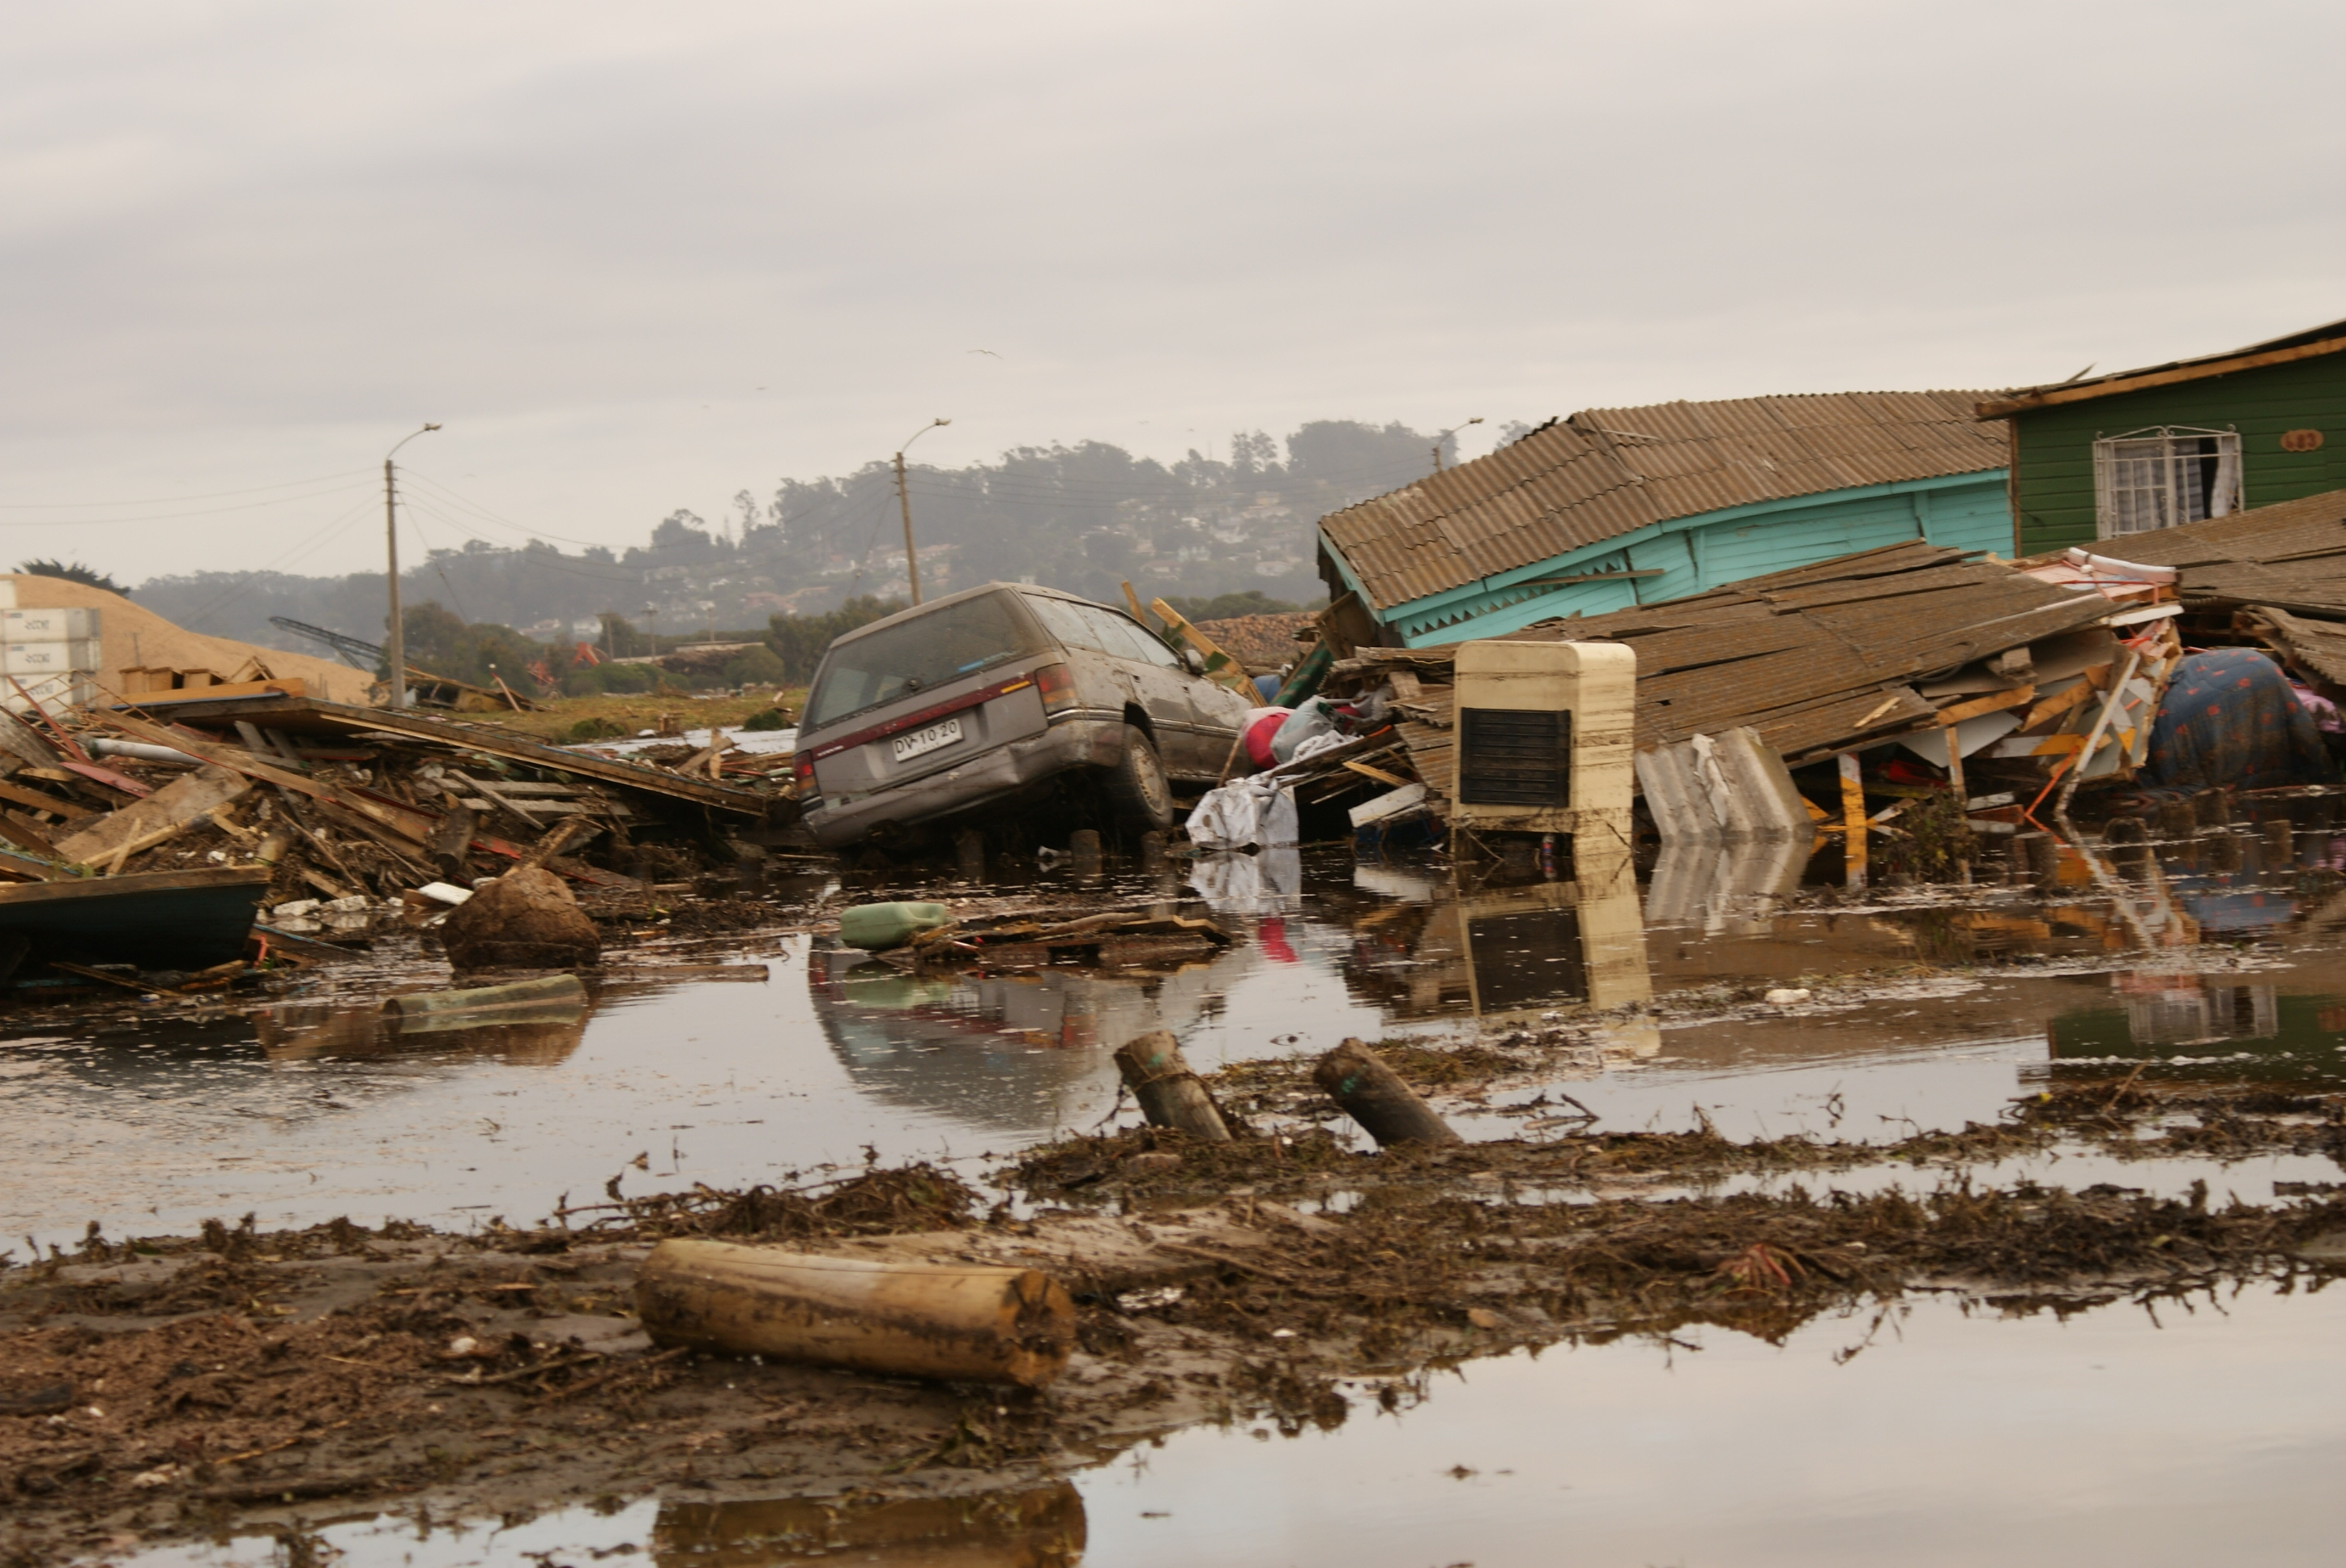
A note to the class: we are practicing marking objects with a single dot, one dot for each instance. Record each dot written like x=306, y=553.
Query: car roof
x=914, y=611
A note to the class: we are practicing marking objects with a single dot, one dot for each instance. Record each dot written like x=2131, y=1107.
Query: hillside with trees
x=1085, y=518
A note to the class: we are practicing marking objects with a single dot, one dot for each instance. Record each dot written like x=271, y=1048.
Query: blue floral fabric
x=2229, y=717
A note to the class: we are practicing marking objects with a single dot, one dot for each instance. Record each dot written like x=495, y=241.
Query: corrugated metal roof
x=2327, y=339
x=1605, y=473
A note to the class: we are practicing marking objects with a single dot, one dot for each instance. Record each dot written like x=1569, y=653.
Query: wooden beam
x=1993, y=702
x=340, y=715
x=2112, y=386
x=1853, y=824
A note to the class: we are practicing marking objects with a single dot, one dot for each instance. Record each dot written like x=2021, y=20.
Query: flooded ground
x=1920, y=1015
x=1932, y=1435
x=1720, y=997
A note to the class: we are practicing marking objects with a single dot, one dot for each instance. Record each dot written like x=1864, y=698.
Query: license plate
x=915, y=743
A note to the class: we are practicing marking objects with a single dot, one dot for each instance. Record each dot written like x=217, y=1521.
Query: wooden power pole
x=398, y=640
x=397, y=650
x=905, y=505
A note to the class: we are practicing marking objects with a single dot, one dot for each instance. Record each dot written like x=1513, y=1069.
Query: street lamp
x=904, y=504
x=391, y=540
x=1445, y=435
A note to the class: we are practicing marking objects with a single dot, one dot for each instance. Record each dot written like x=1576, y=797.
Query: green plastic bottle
x=877, y=927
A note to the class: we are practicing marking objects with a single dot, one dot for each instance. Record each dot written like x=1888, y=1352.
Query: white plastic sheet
x=1243, y=813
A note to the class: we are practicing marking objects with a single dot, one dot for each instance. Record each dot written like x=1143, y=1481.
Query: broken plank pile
x=2274, y=577
x=1901, y=643
x=339, y=801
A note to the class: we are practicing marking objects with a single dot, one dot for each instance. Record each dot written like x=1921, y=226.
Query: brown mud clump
x=526, y=918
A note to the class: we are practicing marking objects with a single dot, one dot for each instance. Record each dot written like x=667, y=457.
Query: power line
x=173, y=516
x=162, y=499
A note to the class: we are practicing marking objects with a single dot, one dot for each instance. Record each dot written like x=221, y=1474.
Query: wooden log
x=569, y=832
x=1170, y=1095
x=553, y=991
x=2041, y=852
x=962, y=1322
x=2177, y=820
x=2280, y=843
x=1373, y=1096
x=2223, y=846
x=451, y=844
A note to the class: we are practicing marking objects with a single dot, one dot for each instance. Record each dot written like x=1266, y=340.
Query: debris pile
x=1989, y=679
x=173, y=817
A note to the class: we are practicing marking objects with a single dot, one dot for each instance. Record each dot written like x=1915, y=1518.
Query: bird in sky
x=985, y=352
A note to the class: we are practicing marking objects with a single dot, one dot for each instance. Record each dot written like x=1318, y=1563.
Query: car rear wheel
x=1135, y=788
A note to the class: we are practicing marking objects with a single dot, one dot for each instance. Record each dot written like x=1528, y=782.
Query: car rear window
x=927, y=651
x=1097, y=626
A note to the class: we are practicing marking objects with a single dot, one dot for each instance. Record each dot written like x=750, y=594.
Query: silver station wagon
x=994, y=697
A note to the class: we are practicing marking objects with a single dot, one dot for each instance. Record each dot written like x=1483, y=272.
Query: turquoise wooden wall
x=1963, y=511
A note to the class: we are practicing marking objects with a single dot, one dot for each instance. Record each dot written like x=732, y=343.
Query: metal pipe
x=107, y=746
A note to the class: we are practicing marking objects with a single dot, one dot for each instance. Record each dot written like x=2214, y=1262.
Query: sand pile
x=1263, y=643
x=136, y=635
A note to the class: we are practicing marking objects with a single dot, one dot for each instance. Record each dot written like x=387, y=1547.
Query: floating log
x=1373, y=1096
x=1170, y=1095
x=961, y=1323
x=554, y=991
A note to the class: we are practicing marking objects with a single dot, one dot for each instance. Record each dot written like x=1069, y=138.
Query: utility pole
x=398, y=642
x=905, y=505
x=1445, y=435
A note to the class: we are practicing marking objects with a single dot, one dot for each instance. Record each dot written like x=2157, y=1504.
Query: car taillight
x=804, y=767
x=1055, y=683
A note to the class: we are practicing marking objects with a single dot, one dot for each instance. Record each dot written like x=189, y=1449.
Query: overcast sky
x=639, y=258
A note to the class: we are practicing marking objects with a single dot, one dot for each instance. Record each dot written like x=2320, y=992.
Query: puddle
x=1921, y=1016
x=1933, y=1433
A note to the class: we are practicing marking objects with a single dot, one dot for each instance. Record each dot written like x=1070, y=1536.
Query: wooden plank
x=15, y=794
x=2112, y=386
x=1993, y=702
x=313, y=715
x=1852, y=819
x=184, y=799
x=292, y=687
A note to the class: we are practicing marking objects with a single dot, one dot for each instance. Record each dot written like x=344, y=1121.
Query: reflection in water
x=1009, y=1051
x=2182, y=1019
x=1507, y=955
x=1731, y=889
x=300, y=1031
x=1041, y=1527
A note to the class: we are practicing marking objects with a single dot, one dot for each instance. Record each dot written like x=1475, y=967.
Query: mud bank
x=237, y=1381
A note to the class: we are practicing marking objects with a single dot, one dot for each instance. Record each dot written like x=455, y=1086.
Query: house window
x=2167, y=475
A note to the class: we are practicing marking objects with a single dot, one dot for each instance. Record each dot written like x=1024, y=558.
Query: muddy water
x=1919, y=1016
x=1934, y=1434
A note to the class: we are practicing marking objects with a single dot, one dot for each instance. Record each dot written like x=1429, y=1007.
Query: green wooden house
x=1616, y=507
x=2150, y=448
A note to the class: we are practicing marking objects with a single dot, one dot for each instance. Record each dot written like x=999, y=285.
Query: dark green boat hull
x=155, y=920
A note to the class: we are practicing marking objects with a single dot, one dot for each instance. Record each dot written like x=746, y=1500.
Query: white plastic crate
x=53, y=626
x=62, y=657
